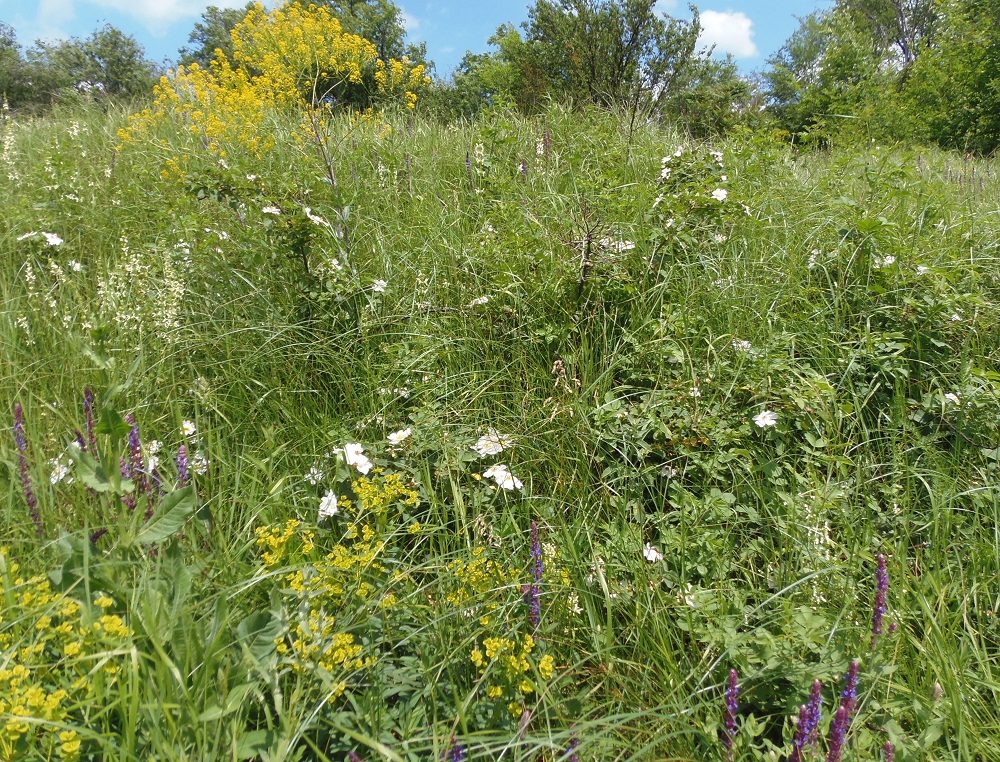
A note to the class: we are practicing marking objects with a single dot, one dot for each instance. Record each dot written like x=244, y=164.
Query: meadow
x=550, y=438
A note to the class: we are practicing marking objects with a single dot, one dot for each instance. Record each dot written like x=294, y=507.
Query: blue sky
x=749, y=29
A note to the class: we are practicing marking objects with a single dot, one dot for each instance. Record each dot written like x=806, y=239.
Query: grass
x=616, y=325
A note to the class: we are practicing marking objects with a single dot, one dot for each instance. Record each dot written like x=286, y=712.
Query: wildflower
x=128, y=498
x=532, y=592
x=766, y=418
x=808, y=725
x=315, y=217
x=315, y=475
x=503, y=477
x=75, y=266
x=719, y=194
x=136, y=466
x=328, y=506
x=923, y=269
x=668, y=471
x=695, y=392
x=353, y=455
x=271, y=210
x=742, y=345
x=27, y=235
x=398, y=436
x=889, y=751
x=571, y=750
x=732, y=708
x=199, y=464
x=183, y=477
x=88, y=412
x=881, y=588
x=22, y=467
x=59, y=472
x=188, y=428
x=842, y=719
x=52, y=239
x=478, y=301
x=953, y=398
x=651, y=554
x=379, y=286
x=491, y=443
x=885, y=261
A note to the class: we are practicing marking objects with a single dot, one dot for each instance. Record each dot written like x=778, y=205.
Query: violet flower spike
x=849, y=696
x=732, y=709
x=23, y=470
x=136, y=465
x=814, y=713
x=128, y=498
x=88, y=412
x=838, y=732
x=533, y=592
x=801, y=734
x=881, y=588
x=571, y=750
x=889, y=751
x=183, y=477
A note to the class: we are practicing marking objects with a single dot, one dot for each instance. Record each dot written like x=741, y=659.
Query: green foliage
x=718, y=377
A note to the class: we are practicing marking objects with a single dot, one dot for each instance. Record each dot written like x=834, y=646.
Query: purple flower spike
x=889, y=751
x=183, y=477
x=136, y=465
x=571, y=751
x=849, y=696
x=22, y=467
x=807, y=732
x=128, y=498
x=91, y=430
x=455, y=752
x=838, y=732
x=532, y=592
x=732, y=709
x=881, y=588
x=98, y=535
x=801, y=734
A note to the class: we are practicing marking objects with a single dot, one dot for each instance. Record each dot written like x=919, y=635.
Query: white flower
x=251, y=178
x=188, y=428
x=668, y=471
x=27, y=235
x=695, y=392
x=502, y=477
x=315, y=475
x=619, y=246
x=955, y=318
x=742, y=345
x=923, y=269
x=52, y=239
x=398, y=436
x=271, y=210
x=478, y=301
x=491, y=443
x=953, y=398
x=813, y=257
x=75, y=266
x=199, y=464
x=719, y=194
x=766, y=418
x=885, y=261
x=153, y=446
x=353, y=454
x=59, y=472
x=152, y=463
x=328, y=506
x=717, y=155
x=315, y=217
x=379, y=286
x=651, y=554
x=679, y=152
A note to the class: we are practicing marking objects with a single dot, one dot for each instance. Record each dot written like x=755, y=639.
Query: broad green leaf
x=257, y=634
x=113, y=424
x=169, y=517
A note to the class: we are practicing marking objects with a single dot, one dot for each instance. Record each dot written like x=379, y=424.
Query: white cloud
x=410, y=22
x=729, y=32
x=155, y=13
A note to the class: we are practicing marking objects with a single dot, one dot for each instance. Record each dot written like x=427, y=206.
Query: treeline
x=887, y=70
x=924, y=71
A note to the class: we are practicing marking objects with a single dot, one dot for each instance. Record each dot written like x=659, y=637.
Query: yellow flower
x=546, y=666
x=526, y=686
x=494, y=691
x=477, y=657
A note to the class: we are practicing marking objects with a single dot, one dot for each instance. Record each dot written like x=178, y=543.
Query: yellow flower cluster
x=284, y=544
x=291, y=57
x=480, y=581
x=512, y=657
x=48, y=652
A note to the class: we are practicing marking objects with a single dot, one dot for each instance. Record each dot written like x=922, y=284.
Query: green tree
x=15, y=83
x=212, y=33
x=108, y=63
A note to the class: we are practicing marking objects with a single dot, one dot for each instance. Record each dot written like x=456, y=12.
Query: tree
x=108, y=63
x=15, y=86
x=212, y=33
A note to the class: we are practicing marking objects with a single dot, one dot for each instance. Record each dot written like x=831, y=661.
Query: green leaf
x=255, y=743
x=169, y=517
x=257, y=634
x=91, y=473
x=113, y=424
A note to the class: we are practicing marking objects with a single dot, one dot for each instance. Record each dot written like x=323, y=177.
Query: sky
x=750, y=30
